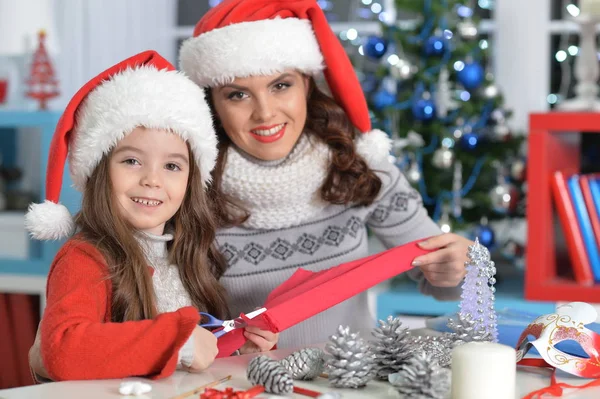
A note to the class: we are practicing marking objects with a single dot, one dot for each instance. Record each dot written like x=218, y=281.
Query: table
x=180, y=382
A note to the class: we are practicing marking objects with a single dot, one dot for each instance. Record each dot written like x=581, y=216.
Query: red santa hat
x=240, y=38
x=144, y=90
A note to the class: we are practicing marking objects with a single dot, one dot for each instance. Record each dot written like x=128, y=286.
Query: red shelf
x=554, y=144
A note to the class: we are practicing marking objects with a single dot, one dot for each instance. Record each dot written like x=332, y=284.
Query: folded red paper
x=307, y=293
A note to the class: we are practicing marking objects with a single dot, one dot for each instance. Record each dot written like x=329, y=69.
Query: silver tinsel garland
x=422, y=378
x=305, y=364
x=391, y=348
x=351, y=364
x=439, y=347
x=270, y=374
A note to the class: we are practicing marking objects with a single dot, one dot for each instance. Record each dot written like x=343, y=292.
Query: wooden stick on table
x=197, y=390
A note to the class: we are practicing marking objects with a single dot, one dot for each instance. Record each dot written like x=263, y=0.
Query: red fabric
x=555, y=388
x=9, y=376
x=80, y=342
x=60, y=141
x=306, y=293
x=339, y=72
x=19, y=314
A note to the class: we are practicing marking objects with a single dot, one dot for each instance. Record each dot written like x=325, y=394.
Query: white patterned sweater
x=291, y=228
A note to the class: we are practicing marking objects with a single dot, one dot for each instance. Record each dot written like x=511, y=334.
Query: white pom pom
x=48, y=221
x=135, y=388
x=374, y=147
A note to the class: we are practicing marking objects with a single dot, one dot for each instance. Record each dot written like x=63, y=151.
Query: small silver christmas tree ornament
x=422, y=378
x=439, y=347
x=351, y=363
x=305, y=364
x=270, y=374
x=478, y=297
x=391, y=348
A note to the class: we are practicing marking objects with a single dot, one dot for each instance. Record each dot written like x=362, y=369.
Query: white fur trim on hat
x=374, y=147
x=245, y=49
x=49, y=221
x=144, y=96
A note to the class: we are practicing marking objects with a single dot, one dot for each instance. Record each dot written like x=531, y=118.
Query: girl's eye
x=172, y=167
x=236, y=95
x=131, y=161
x=281, y=86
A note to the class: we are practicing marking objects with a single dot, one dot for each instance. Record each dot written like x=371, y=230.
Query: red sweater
x=80, y=342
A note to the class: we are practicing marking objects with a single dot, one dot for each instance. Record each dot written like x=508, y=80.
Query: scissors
x=228, y=325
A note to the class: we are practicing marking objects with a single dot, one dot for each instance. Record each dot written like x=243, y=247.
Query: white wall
x=96, y=34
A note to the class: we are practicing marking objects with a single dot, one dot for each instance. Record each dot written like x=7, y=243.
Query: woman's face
x=263, y=115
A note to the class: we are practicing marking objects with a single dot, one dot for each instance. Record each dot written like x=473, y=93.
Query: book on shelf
x=580, y=262
x=585, y=225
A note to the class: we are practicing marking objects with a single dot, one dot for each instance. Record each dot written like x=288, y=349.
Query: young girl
x=123, y=294
x=300, y=185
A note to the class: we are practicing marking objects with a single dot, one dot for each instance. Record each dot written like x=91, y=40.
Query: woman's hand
x=445, y=266
x=258, y=340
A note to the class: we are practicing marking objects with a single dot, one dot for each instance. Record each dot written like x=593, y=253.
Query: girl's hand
x=445, y=266
x=258, y=340
x=205, y=349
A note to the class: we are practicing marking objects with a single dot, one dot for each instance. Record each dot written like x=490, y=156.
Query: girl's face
x=149, y=171
x=263, y=115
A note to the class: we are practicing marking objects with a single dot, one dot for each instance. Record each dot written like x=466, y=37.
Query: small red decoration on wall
x=42, y=83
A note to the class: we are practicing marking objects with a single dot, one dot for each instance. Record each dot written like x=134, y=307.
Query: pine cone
x=439, y=347
x=305, y=364
x=464, y=330
x=422, y=378
x=391, y=348
x=270, y=374
x=351, y=364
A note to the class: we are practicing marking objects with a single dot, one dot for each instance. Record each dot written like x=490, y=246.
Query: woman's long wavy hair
x=192, y=248
x=349, y=179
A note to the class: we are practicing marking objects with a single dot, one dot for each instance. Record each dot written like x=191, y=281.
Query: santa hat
x=240, y=38
x=144, y=90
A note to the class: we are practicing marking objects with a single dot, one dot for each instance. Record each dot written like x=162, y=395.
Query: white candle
x=590, y=7
x=483, y=370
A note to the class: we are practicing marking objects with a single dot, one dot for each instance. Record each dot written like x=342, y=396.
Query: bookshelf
x=554, y=144
x=28, y=274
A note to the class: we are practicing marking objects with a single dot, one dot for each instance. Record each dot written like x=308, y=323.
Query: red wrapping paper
x=307, y=293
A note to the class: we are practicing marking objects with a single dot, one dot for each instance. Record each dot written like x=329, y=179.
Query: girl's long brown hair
x=192, y=249
x=349, y=179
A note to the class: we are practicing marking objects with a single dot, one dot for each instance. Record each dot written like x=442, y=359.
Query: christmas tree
x=427, y=86
x=42, y=83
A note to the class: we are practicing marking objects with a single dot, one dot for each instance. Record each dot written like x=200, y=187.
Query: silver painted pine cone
x=391, y=347
x=422, y=378
x=351, y=364
x=270, y=374
x=305, y=364
x=464, y=330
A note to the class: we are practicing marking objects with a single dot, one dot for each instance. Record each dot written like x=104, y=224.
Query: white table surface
x=181, y=382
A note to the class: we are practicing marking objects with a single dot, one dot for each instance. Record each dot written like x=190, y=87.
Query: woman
x=299, y=186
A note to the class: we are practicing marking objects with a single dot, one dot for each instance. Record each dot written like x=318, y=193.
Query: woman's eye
x=172, y=167
x=236, y=95
x=281, y=86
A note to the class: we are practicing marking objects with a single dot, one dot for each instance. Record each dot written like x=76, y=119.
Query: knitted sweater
x=286, y=235
x=78, y=339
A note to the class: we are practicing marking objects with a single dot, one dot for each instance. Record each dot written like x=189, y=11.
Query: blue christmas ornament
x=471, y=76
x=383, y=99
x=486, y=236
x=423, y=109
x=435, y=45
x=375, y=47
x=469, y=141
